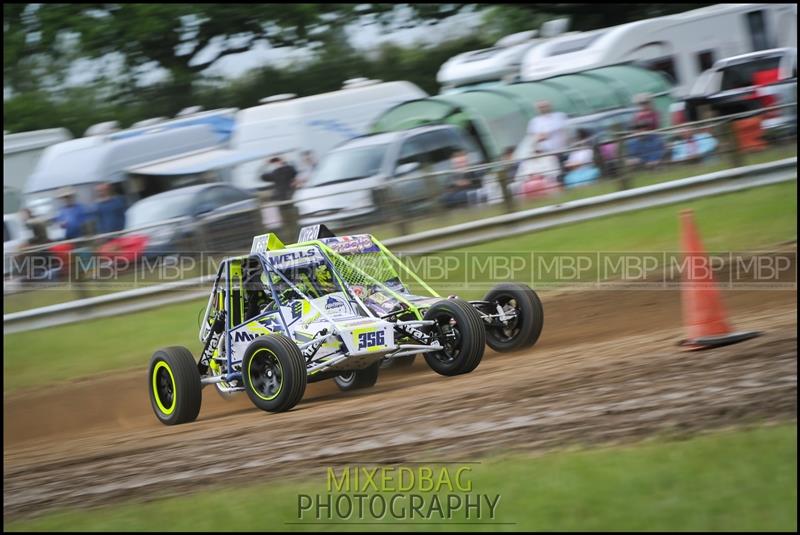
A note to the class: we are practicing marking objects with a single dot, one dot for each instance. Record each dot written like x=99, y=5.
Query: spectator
x=36, y=226
x=549, y=128
x=646, y=115
x=307, y=165
x=693, y=147
x=506, y=176
x=72, y=216
x=283, y=175
x=580, y=163
x=109, y=209
x=646, y=148
x=538, y=176
x=461, y=182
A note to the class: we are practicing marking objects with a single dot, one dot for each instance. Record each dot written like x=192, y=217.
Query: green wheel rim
x=164, y=388
x=265, y=374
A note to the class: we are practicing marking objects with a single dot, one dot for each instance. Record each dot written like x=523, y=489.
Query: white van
x=681, y=46
x=318, y=123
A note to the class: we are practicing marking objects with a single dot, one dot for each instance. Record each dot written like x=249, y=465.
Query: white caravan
x=499, y=63
x=287, y=125
x=21, y=153
x=682, y=45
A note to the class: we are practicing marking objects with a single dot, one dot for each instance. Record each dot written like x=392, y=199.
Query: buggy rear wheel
x=459, y=329
x=399, y=362
x=274, y=373
x=174, y=386
x=357, y=379
x=524, y=329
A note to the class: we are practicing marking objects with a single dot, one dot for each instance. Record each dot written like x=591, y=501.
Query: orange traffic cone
x=702, y=306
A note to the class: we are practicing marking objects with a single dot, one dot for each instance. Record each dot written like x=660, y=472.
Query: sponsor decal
x=383, y=302
x=414, y=333
x=336, y=306
x=272, y=323
x=291, y=258
x=344, y=245
x=244, y=336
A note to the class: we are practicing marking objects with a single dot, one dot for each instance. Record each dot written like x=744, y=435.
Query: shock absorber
x=211, y=342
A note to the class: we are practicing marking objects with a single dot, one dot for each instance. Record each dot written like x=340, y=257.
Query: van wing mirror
x=406, y=168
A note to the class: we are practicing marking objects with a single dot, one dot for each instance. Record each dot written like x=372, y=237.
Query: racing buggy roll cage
x=492, y=314
x=226, y=313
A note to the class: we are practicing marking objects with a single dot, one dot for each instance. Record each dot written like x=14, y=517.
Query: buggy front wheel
x=274, y=373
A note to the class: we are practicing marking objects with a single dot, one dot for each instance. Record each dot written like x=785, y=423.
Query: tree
x=520, y=17
x=183, y=39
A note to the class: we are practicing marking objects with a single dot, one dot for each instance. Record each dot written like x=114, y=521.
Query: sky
x=362, y=37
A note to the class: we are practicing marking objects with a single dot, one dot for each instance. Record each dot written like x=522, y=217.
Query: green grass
x=60, y=293
x=738, y=480
x=738, y=221
x=760, y=216
x=80, y=349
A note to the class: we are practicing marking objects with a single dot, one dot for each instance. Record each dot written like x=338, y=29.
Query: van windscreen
x=349, y=164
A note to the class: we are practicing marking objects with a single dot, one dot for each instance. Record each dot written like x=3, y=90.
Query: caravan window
x=758, y=30
x=705, y=60
x=665, y=65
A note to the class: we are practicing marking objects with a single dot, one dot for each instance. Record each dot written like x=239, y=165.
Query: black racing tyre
x=459, y=328
x=357, y=379
x=174, y=385
x=399, y=362
x=522, y=331
x=274, y=373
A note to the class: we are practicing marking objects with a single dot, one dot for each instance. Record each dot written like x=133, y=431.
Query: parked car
x=216, y=217
x=749, y=82
x=342, y=191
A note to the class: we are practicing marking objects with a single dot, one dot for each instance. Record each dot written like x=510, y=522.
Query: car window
x=349, y=164
x=742, y=74
x=159, y=208
x=432, y=150
x=216, y=198
x=412, y=150
x=231, y=195
x=6, y=233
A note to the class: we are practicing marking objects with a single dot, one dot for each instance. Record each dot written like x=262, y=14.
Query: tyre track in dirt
x=605, y=370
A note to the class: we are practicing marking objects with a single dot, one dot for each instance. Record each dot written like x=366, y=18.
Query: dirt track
x=605, y=369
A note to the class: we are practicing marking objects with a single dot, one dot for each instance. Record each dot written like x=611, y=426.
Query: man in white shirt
x=549, y=128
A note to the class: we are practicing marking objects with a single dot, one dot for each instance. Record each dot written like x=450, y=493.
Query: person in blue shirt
x=109, y=209
x=73, y=216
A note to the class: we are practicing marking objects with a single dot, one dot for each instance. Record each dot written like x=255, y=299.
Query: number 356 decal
x=370, y=339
